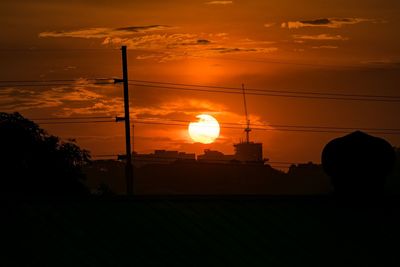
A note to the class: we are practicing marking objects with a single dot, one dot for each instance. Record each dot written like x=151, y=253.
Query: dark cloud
x=142, y=28
x=104, y=32
x=203, y=41
x=232, y=49
x=326, y=22
x=316, y=22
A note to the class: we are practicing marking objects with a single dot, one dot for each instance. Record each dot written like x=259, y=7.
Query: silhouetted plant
x=34, y=163
x=358, y=164
x=393, y=184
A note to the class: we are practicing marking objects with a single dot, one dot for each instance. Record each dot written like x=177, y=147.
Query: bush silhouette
x=358, y=163
x=34, y=163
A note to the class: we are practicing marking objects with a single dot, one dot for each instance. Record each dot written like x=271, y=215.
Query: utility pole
x=129, y=167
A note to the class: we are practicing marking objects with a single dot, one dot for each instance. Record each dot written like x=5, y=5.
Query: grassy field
x=200, y=231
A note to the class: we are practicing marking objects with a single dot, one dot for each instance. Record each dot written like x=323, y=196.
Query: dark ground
x=201, y=231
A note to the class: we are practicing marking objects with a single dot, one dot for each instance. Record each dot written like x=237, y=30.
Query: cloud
x=219, y=3
x=203, y=41
x=84, y=98
x=321, y=37
x=251, y=42
x=269, y=25
x=185, y=108
x=382, y=63
x=208, y=52
x=224, y=50
x=158, y=41
x=104, y=32
x=325, y=22
x=81, y=97
x=325, y=47
x=167, y=47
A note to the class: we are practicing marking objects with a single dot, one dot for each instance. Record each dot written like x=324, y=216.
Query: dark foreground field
x=206, y=231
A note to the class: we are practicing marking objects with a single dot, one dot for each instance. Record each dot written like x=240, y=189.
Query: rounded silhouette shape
x=358, y=163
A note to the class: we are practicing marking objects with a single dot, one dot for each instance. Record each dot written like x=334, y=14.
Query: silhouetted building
x=305, y=167
x=212, y=156
x=249, y=152
x=245, y=152
x=162, y=157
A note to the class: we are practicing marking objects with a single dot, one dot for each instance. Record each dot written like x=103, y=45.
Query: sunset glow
x=329, y=48
x=205, y=130
x=200, y=132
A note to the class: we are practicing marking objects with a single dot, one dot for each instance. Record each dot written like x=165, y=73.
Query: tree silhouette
x=34, y=163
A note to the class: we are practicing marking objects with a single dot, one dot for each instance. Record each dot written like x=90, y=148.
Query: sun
x=205, y=130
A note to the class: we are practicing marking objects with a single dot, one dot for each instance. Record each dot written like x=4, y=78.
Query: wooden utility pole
x=129, y=167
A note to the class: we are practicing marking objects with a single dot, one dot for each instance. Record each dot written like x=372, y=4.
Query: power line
x=54, y=80
x=281, y=127
x=299, y=126
x=264, y=129
x=390, y=98
x=258, y=92
x=76, y=122
x=255, y=60
x=225, y=127
x=335, y=127
x=50, y=84
x=35, y=85
x=266, y=94
x=267, y=90
x=72, y=118
x=184, y=125
x=58, y=49
x=259, y=60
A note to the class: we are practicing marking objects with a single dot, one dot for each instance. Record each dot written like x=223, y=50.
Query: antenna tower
x=247, y=129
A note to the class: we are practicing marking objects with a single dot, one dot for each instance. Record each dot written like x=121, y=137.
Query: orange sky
x=319, y=46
